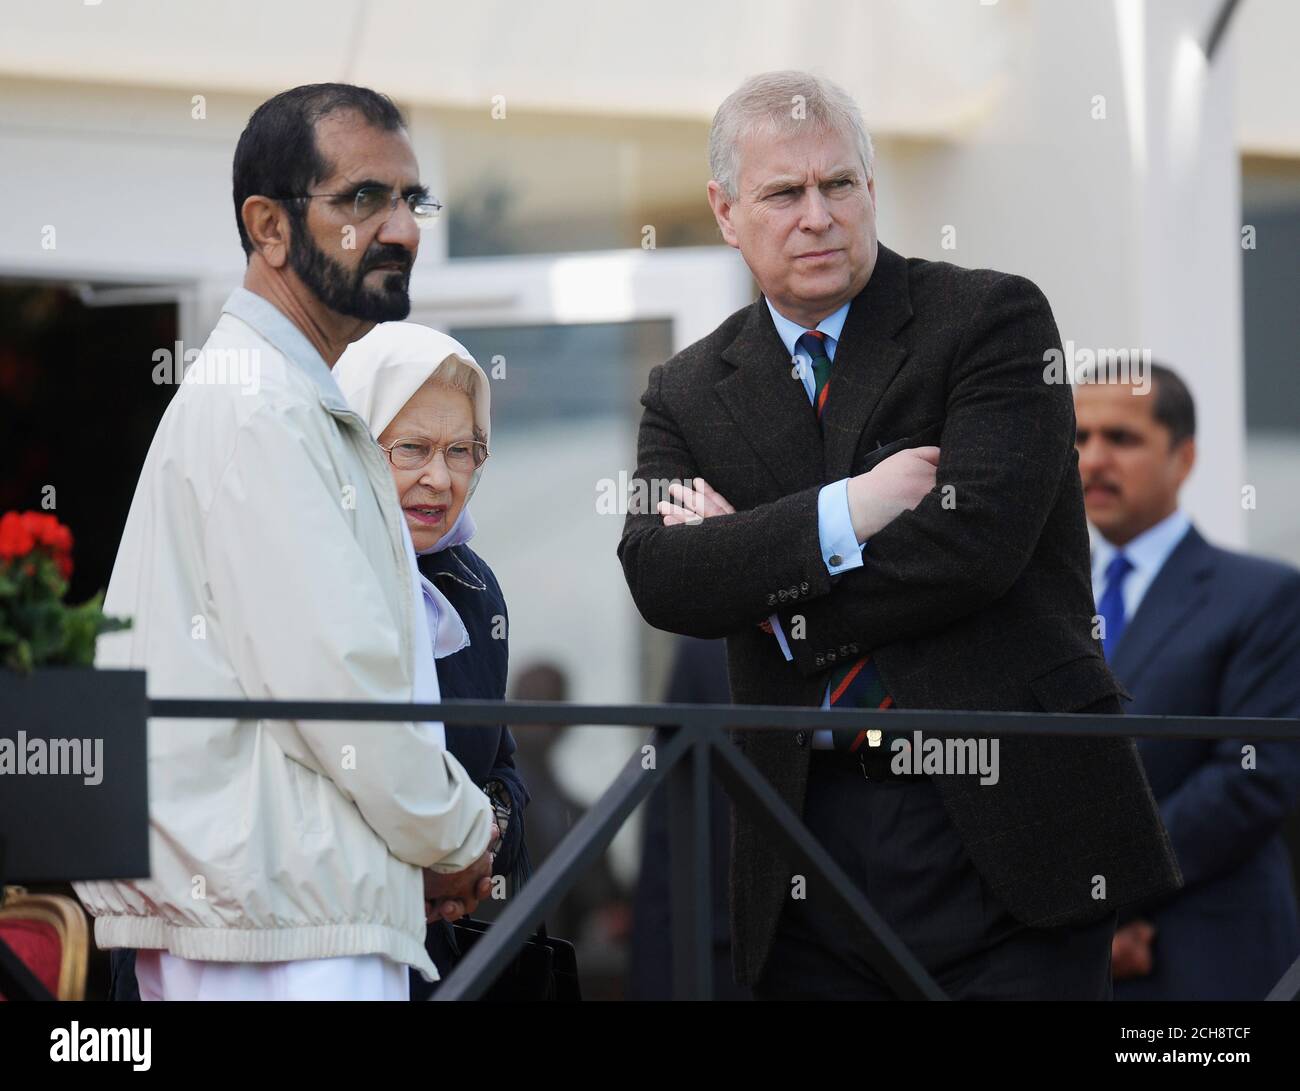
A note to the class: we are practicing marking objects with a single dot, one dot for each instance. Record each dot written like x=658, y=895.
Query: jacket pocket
x=926, y=436
x=1075, y=685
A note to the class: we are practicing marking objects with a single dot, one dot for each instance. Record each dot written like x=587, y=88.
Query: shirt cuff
x=779, y=633
x=840, y=547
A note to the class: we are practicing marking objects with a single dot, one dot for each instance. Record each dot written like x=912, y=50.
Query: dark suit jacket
x=979, y=599
x=1218, y=634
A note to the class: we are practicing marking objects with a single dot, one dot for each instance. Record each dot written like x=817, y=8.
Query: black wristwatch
x=502, y=805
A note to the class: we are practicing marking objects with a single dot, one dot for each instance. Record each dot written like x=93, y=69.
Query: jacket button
x=782, y=595
x=801, y=739
x=771, y=600
x=819, y=661
x=803, y=587
x=794, y=592
x=830, y=657
x=844, y=649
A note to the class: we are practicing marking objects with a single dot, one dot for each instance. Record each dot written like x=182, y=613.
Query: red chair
x=48, y=933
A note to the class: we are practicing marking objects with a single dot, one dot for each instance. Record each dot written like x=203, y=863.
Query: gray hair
x=782, y=102
x=455, y=375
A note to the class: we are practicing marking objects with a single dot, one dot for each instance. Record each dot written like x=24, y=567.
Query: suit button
x=844, y=649
x=831, y=657
x=794, y=592
x=819, y=661
x=781, y=595
x=836, y=560
x=803, y=587
x=801, y=739
x=854, y=648
x=771, y=600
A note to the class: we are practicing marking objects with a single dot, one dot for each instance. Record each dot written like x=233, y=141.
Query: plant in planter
x=36, y=627
x=67, y=729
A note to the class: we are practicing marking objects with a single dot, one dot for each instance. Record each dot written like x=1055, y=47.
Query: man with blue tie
x=1190, y=629
x=875, y=502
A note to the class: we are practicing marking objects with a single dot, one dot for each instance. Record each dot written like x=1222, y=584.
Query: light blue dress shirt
x=834, y=524
x=1147, y=554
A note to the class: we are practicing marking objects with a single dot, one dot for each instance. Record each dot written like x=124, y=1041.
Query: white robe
x=162, y=976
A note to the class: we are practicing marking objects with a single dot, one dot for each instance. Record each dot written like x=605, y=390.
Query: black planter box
x=74, y=801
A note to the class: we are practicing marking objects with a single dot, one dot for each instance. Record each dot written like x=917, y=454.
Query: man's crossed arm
x=1007, y=442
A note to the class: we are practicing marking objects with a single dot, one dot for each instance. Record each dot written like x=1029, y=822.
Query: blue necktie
x=1111, y=606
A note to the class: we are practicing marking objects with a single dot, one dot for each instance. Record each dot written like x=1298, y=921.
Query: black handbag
x=546, y=968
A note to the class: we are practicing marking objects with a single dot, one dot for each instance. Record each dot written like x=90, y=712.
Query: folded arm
x=1007, y=441
x=714, y=577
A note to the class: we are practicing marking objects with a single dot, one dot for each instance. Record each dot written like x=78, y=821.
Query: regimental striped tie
x=854, y=684
x=814, y=344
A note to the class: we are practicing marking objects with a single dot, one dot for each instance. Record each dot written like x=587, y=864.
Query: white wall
x=138, y=189
x=1130, y=223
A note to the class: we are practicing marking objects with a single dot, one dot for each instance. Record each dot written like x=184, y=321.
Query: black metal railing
x=689, y=746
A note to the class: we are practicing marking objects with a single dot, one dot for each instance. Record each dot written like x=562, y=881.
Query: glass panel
x=1270, y=286
x=534, y=184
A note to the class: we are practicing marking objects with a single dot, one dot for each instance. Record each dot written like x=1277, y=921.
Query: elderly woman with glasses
x=426, y=401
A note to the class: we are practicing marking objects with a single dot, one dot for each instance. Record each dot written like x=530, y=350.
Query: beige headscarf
x=378, y=375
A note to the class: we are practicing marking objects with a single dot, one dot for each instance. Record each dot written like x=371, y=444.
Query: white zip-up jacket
x=265, y=556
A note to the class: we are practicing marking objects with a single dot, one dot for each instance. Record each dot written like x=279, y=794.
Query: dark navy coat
x=476, y=673
x=1218, y=634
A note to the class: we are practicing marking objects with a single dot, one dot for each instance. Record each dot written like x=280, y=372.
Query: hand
x=694, y=504
x=1130, y=950
x=448, y=896
x=898, y=484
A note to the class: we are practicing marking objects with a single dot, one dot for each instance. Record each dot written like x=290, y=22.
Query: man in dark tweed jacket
x=882, y=508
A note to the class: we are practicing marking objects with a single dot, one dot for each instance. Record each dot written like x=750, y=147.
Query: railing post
x=691, y=873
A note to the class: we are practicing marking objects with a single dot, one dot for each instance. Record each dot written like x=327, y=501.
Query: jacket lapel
x=866, y=360
x=768, y=403
x=1179, y=589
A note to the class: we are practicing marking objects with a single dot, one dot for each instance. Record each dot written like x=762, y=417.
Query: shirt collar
x=274, y=326
x=1148, y=551
x=790, y=332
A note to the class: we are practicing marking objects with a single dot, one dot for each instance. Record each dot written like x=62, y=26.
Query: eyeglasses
x=462, y=456
x=371, y=200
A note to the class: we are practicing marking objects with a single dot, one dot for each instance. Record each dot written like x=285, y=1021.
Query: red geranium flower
x=16, y=538
x=21, y=533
